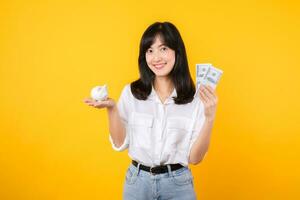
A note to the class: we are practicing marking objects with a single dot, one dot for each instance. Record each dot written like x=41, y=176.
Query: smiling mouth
x=159, y=66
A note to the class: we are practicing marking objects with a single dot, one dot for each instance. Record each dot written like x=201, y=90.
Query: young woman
x=161, y=120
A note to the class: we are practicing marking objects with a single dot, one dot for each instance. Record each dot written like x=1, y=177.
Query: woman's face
x=160, y=58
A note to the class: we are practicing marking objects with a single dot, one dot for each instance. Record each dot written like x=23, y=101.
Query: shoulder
x=126, y=91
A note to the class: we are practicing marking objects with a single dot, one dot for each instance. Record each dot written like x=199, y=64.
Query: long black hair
x=180, y=74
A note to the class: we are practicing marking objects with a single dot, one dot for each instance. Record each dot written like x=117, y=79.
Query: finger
x=98, y=103
x=213, y=92
x=203, y=97
x=210, y=89
x=90, y=103
x=208, y=94
x=101, y=104
x=87, y=100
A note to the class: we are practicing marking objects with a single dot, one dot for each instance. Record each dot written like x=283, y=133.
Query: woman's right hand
x=108, y=103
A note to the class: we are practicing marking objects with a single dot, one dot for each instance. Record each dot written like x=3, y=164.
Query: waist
x=157, y=169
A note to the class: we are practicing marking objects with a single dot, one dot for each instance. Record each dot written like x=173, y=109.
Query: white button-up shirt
x=159, y=133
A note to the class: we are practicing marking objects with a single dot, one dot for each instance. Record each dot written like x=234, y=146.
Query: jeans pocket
x=131, y=176
x=183, y=178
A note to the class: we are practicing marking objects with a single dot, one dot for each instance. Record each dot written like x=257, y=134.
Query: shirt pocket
x=140, y=125
x=177, y=133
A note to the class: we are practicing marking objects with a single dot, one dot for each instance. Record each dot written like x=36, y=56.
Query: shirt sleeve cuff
x=122, y=147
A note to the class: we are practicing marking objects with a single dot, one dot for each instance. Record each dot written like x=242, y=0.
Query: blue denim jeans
x=173, y=185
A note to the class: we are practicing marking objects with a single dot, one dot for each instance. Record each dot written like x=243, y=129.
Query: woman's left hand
x=209, y=98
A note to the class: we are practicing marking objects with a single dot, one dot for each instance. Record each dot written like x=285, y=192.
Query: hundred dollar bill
x=212, y=77
x=207, y=74
x=201, y=72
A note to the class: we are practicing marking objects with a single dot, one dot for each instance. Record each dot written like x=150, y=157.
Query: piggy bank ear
x=103, y=88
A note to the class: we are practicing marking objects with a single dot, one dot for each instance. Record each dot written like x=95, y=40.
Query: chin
x=161, y=74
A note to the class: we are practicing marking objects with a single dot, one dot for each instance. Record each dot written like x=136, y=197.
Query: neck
x=163, y=85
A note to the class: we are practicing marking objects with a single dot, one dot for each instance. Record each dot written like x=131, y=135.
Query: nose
x=156, y=56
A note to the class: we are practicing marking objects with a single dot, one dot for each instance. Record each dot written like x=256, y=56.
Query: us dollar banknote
x=201, y=72
x=207, y=74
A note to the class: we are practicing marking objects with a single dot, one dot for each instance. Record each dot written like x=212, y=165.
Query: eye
x=149, y=51
x=164, y=49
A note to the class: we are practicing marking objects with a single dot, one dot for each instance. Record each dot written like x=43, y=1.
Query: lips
x=159, y=66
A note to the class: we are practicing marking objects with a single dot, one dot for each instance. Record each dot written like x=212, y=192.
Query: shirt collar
x=153, y=96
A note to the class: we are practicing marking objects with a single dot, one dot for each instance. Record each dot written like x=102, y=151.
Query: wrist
x=209, y=120
x=111, y=108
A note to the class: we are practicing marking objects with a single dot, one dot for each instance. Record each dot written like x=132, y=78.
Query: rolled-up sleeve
x=122, y=147
x=198, y=124
x=123, y=106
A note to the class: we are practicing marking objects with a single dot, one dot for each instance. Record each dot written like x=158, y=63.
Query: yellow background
x=52, y=53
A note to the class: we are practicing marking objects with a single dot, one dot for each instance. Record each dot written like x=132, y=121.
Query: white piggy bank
x=99, y=93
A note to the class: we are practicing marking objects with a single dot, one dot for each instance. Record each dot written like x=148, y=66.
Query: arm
x=116, y=127
x=117, y=117
x=201, y=144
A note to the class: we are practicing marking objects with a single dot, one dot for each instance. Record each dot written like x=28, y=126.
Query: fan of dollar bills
x=207, y=74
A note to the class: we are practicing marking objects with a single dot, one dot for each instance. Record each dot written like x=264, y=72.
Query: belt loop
x=138, y=168
x=169, y=170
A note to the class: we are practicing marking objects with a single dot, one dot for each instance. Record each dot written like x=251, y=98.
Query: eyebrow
x=160, y=45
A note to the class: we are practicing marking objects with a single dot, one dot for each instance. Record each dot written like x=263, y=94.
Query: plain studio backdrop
x=54, y=147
